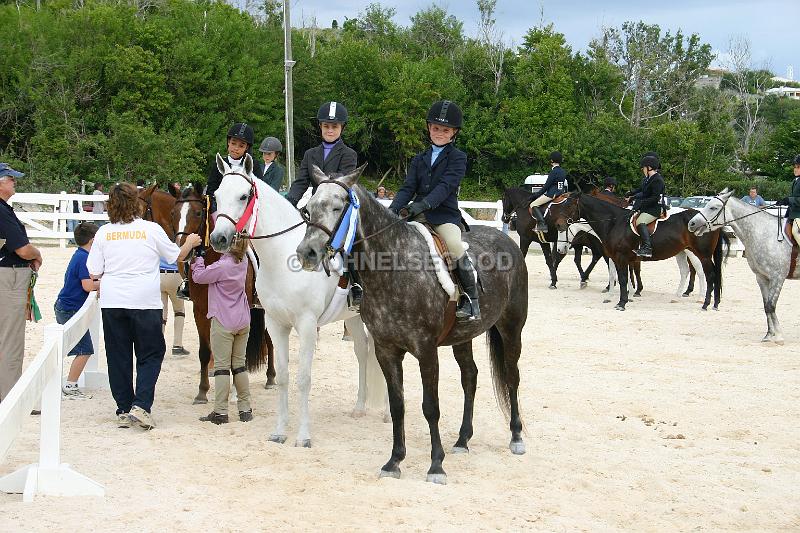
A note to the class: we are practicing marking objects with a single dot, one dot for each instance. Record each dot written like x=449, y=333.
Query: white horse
x=768, y=252
x=291, y=297
x=683, y=258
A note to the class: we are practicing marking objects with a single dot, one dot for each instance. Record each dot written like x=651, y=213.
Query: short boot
x=646, y=249
x=215, y=418
x=183, y=290
x=468, y=307
x=541, y=225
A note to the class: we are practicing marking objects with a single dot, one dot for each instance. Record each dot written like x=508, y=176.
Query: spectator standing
x=18, y=260
x=125, y=256
x=753, y=198
x=77, y=286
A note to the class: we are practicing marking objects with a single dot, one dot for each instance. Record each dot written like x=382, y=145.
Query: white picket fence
x=46, y=215
x=41, y=384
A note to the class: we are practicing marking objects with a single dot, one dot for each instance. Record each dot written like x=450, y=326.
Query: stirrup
x=183, y=291
x=354, y=297
x=462, y=313
x=644, y=252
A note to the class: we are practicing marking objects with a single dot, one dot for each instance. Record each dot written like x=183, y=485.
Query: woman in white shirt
x=125, y=255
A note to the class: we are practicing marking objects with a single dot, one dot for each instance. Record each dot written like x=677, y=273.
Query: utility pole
x=287, y=65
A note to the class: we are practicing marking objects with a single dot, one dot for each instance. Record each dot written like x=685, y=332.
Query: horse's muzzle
x=309, y=257
x=221, y=242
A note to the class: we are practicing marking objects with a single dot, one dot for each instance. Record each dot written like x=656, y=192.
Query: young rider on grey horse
x=555, y=185
x=433, y=179
x=647, y=201
x=793, y=201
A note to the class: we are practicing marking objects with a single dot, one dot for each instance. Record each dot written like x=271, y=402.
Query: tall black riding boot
x=541, y=225
x=468, y=307
x=356, y=292
x=646, y=249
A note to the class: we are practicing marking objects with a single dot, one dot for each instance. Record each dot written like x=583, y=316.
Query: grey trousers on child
x=229, y=348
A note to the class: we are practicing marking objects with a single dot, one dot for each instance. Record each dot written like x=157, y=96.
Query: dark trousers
x=126, y=331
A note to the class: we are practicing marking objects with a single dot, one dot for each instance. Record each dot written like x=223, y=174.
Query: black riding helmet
x=446, y=113
x=556, y=157
x=332, y=112
x=658, y=159
x=243, y=131
x=610, y=180
x=650, y=161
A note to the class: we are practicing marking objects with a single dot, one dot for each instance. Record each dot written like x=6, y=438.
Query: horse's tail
x=494, y=343
x=719, y=257
x=258, y=341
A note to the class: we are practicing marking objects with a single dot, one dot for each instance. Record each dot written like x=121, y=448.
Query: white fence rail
x=41, y=381
x=46, y=215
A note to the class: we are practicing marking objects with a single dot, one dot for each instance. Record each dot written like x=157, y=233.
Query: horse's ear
x=198, y=188
x=352, y=178
x=221, y=164
x=149, y=190
x=317, y=175
x=248, y=164
x=725, y=194
x=175, y=194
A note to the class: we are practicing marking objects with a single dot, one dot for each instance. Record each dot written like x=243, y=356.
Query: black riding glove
x=783, y=201
x=418, y=207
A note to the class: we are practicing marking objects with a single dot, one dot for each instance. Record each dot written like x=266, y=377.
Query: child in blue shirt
x=77, y=286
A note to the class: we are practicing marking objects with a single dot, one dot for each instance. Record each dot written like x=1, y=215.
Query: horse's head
x=508, y=207
x=711, y=216
x=189, y=213
x=566, y=212
x=235, y=194
x=324, y=213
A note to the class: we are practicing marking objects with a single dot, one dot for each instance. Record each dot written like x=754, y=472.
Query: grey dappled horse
x=404, y=309
x=767, y=254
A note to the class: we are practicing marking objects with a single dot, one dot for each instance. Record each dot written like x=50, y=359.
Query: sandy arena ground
x=663, y=417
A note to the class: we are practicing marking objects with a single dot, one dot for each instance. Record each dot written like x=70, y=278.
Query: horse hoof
x=270, y=384
x=517, y=448
x=619, y=307
x=200, y=401
x=685, y=294
x=280, y=439
x=390, y=473
x=302, y=443
x=460, y=449
x=716, y=308
x=605, y=290
x=704, y=308
x=439, y=479
x=358, y=412
x=779, y=342
x=637, y=295
x=552, y=287
x=606, y=301
x=584, y=284
x=387, y=418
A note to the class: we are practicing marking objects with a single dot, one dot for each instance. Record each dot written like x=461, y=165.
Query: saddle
x=787, y=231
x=450, y=285
x=651, y=227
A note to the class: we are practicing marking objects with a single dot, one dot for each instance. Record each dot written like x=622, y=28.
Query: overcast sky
x=772, y=26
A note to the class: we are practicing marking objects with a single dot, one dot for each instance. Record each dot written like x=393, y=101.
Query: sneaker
x=179, y=350
x=122, y=420
x=215, y=418
x=74, y=393
x=141, y=417
x=246, y=416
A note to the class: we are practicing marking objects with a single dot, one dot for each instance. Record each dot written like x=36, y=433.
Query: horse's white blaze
x=184, y=215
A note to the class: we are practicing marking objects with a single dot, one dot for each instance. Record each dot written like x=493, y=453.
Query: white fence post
x=42, y=379
x=92, y=377
x=61, y=224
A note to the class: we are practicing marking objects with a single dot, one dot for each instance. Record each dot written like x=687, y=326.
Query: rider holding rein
x=432, y=182
x=240, y=140
x=647, y=201
x=793, y=201
x=555, y=185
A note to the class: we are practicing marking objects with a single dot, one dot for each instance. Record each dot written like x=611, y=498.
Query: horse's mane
x=516, y=195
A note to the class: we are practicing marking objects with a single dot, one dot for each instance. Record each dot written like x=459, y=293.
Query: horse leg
x=548, y=258
x=429, y=371
x=708, y=268
x=595, y=258
x=770, y=291
x=612, y=275
x=581, y=273
x=204, y=353
x=622, y=276
x=636, y=276
x=469, y=382
x=280, y=340
x=683, y=270
x=505, y=347
x=307, y=330
x=391, y=361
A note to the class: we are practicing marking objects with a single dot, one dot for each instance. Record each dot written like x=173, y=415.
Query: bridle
x=252, y=198
x=204, y=202
x=709, y=222
x=330, y=249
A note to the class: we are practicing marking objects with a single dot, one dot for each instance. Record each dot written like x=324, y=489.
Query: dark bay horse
x=404, y=308
x=516, y=200
x=612, y=224
x=189, y=214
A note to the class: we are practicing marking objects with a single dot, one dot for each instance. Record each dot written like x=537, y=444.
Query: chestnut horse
x=158, y=207
x=189, y=214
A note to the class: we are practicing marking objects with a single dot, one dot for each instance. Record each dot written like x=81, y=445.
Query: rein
x=725, y=221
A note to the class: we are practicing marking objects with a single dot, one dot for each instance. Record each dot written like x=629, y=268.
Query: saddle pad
x=442, y=274
x=337, y=308
x=555, y=201
x=652, y=227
